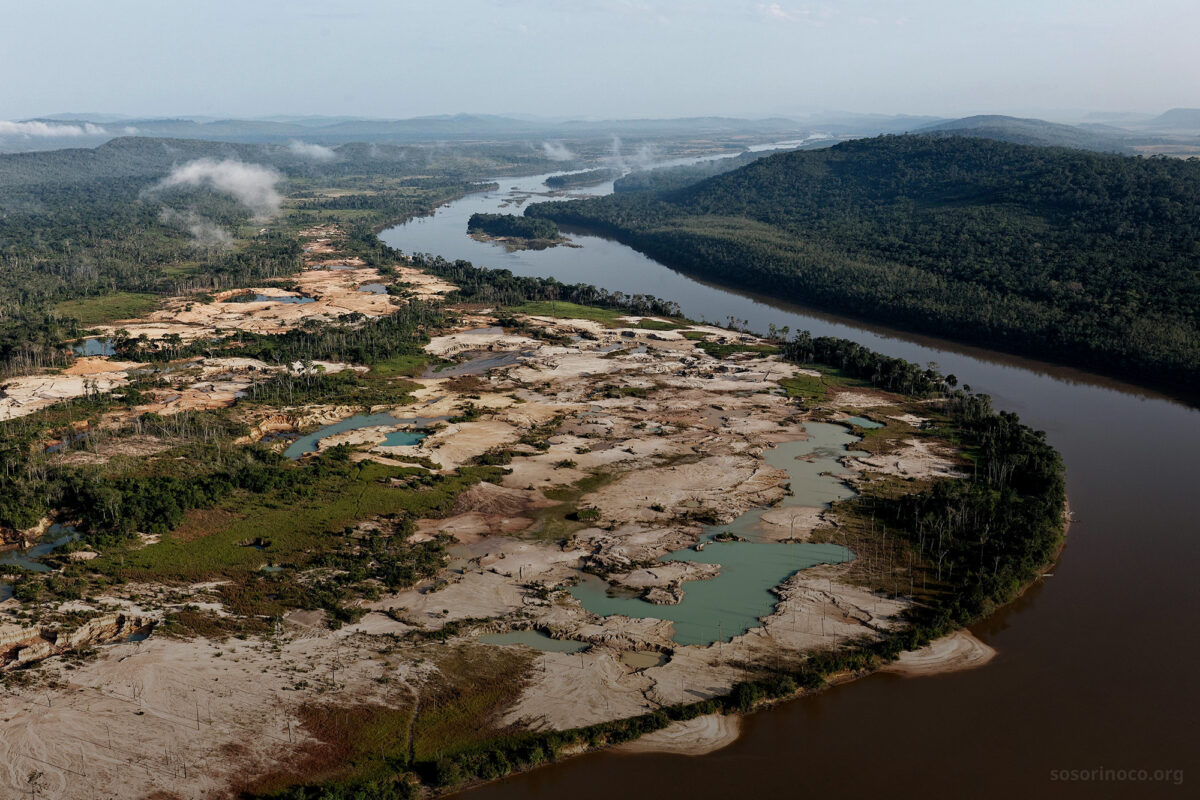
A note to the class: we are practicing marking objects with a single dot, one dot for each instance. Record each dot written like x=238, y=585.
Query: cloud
x=253, y=185
x=557, y=151
x=205, y=232
x=48, y=129
x=777, y=12
x=315, y=152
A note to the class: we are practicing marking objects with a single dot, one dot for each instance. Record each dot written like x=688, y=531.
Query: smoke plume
x=557, y=151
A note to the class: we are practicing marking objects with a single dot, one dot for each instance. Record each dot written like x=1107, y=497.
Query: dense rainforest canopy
x=1084, y=257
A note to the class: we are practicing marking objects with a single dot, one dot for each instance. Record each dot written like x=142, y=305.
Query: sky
x=596, y=58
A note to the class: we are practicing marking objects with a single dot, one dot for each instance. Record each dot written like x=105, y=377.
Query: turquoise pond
x=732, y=603
x=718, y=609
x=308, y=443
x=863, y=422
x=95, y=347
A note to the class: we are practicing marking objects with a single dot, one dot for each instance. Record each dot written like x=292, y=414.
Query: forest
x=512, y=225
x=80, y=228
x=1080, y=257
x=589, y=177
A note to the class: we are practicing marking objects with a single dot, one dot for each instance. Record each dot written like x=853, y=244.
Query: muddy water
x=1096, y=664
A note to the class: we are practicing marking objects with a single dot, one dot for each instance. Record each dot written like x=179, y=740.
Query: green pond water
x=308, y=444
x=863, y=422
x=732, y=603
x=718, y=609
x=536, y=640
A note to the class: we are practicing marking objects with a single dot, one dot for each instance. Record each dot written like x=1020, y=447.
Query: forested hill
x=1081, y=257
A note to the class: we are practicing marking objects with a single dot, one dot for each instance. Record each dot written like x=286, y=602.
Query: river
x=1095, y=666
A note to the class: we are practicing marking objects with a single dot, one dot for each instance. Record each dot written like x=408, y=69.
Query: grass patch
x=804, y=387
x=718, y=350
x=367, y=741
x=563, y=310
x=459, y=706
x=108, y=308
x=407, y=365
x=296, y=529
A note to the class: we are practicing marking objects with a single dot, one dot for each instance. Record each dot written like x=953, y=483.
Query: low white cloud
x=777, y=12
x=557, y=151
x=49, y=129
x=204, y=232
x=315, y=152
x=253, y=185
x=818, y=16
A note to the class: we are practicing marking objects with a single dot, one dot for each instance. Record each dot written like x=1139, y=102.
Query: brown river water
x=1096, y=665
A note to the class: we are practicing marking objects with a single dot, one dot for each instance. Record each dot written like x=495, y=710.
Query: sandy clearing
x=794, y=522
x=859, y=399
x=915, y=458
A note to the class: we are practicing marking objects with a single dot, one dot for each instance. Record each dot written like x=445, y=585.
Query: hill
x=1104, y=139
x=1082, y=257
x=1177, y=119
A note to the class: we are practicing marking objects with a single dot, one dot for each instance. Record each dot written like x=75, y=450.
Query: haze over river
x=1096, y=665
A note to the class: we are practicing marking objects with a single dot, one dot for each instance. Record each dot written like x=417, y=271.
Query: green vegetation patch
x=106, y=308
x=718, y=350
x=563, y=310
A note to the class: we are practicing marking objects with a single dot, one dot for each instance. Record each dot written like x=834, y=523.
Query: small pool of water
x=863, y=422
x=478, y=363
x=308, y=443
x=266, y=298
x=535, y=640
x=402, y=438
x=95, y=347
x=638, y=659
x=373, y=288
x=67, y=442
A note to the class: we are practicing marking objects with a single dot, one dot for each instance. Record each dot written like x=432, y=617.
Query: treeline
x=1082, y=257
x=512, y=225
x=502, y=287
x=589, y=177
x=354, y=339
x=88, y=223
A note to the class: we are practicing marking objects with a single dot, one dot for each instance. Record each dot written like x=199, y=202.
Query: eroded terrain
x=622, y=442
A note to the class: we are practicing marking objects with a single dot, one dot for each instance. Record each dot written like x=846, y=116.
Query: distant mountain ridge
x=94, y=129
x=1186, y=119
x=1017, y=130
